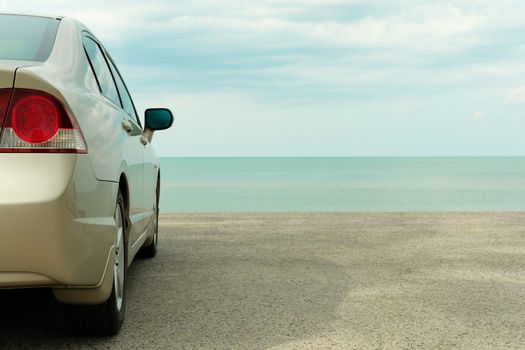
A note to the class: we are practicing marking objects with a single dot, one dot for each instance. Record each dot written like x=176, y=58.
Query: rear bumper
x=56, y=222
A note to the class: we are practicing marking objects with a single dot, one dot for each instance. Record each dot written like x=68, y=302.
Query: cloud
x=413, y=66
x=516, y=95
x=479, y=114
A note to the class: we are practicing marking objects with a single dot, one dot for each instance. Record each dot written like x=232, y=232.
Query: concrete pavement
x=310, y=281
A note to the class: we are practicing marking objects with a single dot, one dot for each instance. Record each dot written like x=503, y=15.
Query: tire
x=106, y=319
x=149, y=251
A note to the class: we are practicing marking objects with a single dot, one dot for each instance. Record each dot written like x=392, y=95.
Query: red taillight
x=35, y=119
x=38, y=122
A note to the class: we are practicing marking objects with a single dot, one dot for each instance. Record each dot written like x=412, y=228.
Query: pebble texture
x=309, y=281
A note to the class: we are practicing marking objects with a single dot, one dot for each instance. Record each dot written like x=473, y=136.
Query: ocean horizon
x=339, y=184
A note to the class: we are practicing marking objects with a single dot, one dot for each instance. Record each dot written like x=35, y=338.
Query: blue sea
x=343, y=184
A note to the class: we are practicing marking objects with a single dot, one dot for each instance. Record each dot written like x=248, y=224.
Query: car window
x=101, y=70
x=28, y=38
x=127, y=103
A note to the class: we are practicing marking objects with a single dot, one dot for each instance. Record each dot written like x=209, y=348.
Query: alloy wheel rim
x=119, y=266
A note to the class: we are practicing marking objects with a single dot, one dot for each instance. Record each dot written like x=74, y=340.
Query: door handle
x=127, y=126
x=144, y=140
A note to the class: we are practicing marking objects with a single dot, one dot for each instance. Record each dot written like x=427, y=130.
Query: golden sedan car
x=80, y=180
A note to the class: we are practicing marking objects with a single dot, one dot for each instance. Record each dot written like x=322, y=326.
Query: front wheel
x=107, y=318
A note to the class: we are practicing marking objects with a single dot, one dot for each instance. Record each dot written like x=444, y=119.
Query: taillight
x=37, y=122
x=35, y=119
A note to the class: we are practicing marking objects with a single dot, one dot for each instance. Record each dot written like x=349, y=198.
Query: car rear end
x=57, y=226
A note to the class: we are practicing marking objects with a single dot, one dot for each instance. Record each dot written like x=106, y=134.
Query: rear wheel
x=106, y=319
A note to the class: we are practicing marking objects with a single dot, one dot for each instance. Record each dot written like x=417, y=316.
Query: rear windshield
x=27, y=38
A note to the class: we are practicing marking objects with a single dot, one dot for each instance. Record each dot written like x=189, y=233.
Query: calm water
x=343, y=184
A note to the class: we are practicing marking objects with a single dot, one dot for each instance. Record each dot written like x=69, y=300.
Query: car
x=80, y=180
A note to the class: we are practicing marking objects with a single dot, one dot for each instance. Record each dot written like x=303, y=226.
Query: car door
x=133, y=148
x=132, y=117
x=151, y=173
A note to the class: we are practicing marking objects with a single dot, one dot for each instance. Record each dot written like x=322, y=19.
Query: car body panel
x=135, y=161
x=7, y=75
x=58, y=225
x=151, y=175
x=67, y=78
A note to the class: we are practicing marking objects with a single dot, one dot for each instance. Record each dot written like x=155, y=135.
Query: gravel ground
x=309, y=281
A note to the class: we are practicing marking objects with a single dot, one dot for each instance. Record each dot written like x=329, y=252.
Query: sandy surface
x=310, y=281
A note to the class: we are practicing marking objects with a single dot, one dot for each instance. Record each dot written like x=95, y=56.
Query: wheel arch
x=158, y=186
x=123, y=187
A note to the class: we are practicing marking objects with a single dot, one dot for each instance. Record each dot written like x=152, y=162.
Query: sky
x=319, y=77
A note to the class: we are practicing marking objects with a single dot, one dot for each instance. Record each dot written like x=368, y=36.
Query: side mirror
x=157, y=119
